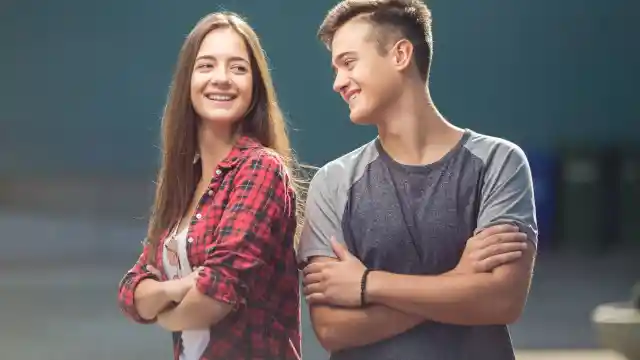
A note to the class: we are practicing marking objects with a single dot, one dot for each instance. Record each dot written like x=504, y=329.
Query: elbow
x=510, y=311
x=131, y=309
x=327, y=339
x=131, y=312
x=219, y=313
x=142, y=317
x=136, y=315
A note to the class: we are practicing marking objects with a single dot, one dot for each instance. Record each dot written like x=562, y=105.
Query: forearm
x=150, y=299
x=341, y=328
x=195, y=311
x=474, y=299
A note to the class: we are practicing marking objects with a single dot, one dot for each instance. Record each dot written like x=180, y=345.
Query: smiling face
x=366, y=79
x=222, y=79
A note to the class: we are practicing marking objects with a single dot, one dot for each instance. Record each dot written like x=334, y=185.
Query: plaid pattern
x=243, y=234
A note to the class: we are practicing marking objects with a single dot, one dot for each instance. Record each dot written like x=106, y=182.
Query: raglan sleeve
x=507, y=194
x=322, y=219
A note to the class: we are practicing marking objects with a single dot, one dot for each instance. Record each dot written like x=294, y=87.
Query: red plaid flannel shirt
x=242, y=234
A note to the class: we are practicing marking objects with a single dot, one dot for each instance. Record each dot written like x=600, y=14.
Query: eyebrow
x=231, y=58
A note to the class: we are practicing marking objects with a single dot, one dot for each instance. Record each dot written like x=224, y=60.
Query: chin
x=221, y=117
x=360, y=117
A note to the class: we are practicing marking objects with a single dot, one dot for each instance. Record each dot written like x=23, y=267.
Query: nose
x=220, y=77
x=340, y=82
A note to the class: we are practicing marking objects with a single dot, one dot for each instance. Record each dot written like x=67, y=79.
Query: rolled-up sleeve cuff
x=219, y=286
x=303, y=257
x=126, y=298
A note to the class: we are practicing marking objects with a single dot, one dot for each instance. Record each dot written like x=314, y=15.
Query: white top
x=176, y=265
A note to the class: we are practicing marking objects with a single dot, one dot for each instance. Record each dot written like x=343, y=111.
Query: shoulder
x=261, y=158
x=346, y=169
x=495, y=151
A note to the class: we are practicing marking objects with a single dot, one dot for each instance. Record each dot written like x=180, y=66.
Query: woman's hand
x=176, y=289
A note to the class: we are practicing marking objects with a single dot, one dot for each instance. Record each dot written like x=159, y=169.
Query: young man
x=419, y=244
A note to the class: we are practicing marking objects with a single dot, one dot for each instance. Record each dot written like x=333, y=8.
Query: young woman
x=218, y=266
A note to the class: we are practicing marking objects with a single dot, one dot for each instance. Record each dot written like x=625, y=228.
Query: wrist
x=374, y=286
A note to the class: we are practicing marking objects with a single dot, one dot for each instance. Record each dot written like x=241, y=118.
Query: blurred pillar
x=587, y=212
x=629, y=197
x=544, y=170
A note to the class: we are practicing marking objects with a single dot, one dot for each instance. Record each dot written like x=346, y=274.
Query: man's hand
x=334, y=282
x=491, y=248
x=178, y=288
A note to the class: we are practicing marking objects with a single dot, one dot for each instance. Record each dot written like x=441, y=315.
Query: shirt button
x=190, y=240
x=198, y=216
x=218, y=172
x=210, y=192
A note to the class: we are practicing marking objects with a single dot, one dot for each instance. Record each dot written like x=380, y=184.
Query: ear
x=401, y=54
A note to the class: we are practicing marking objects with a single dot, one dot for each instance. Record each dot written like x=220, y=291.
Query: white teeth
x=353, y=97
x=220, y=97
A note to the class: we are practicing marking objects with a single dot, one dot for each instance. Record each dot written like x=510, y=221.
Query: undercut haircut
x=392, y=20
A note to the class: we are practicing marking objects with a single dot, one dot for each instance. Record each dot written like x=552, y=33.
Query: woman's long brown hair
x=264, y=121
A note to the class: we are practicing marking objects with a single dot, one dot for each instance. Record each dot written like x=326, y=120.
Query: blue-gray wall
x=83, y=83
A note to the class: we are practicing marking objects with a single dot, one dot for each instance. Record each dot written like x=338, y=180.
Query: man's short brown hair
x=393, y=20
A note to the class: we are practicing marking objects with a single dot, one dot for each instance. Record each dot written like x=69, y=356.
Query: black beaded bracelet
x=363, y=288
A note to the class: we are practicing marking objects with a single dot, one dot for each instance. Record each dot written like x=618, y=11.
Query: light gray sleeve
x=507, y=194
x=322, y=219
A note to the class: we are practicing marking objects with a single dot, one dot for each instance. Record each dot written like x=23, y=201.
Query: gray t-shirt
x=416, y=220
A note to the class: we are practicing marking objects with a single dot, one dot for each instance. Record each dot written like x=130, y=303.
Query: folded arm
x=140, y=294
x=339, y=328
x=195, y=311
x=497, y=297
x=246, y=238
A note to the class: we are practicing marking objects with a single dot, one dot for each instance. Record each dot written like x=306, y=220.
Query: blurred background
x=82, y=89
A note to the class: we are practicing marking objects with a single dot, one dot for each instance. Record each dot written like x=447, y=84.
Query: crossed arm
x=338, y=328
x=195, y=311
x=496, y=297
x=398, y=303
x=244, y=241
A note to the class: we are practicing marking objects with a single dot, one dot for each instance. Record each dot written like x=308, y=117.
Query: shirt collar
x=243, y=143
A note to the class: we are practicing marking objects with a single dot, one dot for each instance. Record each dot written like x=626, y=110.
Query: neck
x=412, y=131
x=214, y=144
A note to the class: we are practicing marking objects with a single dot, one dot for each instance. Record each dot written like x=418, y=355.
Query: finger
x=341, y=252
x=500, y=248
x=497, y=229
x=154, y=271
x=312, y=278
x=495, y=261
x=316, y=299
x=313, y=289
x=314, y=268
x=514, y=237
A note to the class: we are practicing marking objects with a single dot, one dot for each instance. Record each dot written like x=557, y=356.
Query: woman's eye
x=239, y=68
